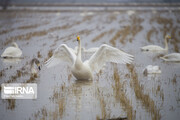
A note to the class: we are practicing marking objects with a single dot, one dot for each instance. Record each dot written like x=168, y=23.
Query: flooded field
x=118, y=92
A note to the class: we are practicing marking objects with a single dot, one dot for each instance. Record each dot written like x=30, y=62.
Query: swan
x=155, y=47
x=12, y=51
x=173, y=57
x=34, y=65
x=130, y=12
x=86, y=14
x=84, y=70
x=150, y=69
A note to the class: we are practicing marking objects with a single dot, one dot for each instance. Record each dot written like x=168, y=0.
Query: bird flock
x=83, y=70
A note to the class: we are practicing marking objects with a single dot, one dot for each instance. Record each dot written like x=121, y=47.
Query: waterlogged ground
x=118, y=91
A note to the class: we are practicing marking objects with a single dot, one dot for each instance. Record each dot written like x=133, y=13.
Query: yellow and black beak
x=78, y=38
x=169, y=37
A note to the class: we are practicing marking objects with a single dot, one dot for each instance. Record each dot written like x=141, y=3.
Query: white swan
x=155, y=47
x=83, y=70
x=151, y=70
x=34, y=65
x=173, y=57
x=130, y=12
x=12, y=52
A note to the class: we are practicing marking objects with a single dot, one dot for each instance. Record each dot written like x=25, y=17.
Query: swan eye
x=78, y=38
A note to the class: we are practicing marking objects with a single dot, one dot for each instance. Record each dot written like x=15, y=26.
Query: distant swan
x=12, y=52
x=173, y=57
x=155, y=47
x=83, y=70
x=151, y=70
x=34, y=65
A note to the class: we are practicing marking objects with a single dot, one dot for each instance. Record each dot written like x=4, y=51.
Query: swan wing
x=12, y=52
x=107, y=53
x=62, y=54
x=73, y=50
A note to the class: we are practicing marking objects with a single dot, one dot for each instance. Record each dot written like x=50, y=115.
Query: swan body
x=152, y=70
x=12, y=52
x=173, y=57
x=86, y=14
x=155, y=47
x=84, y=70
x=130, y=12
x=152, y=48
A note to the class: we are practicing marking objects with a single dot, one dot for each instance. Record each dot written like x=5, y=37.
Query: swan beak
x=39, y=67
x=78, y=38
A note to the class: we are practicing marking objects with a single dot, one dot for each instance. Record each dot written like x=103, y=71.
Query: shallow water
x=118, y=91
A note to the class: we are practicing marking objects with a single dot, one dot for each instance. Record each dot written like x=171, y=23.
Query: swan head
x=14, y=45
x=168, y=37
x=36, y=61
x=78, y=38
x=38, y=65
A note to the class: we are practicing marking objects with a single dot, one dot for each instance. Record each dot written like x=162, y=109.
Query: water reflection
x=10, y=103
x=145, y=99
x=68, y=99
x=11, y=60
x=120, y=95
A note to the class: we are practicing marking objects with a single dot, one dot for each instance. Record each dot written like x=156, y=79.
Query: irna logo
x=19, y=91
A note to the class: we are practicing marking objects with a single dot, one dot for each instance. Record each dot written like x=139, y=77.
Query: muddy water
x=118, y=91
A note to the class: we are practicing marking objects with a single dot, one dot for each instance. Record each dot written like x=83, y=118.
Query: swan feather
x=174, y=57
x=62, y=54
x=151, y=48
x=105, y=54
x=12, y=52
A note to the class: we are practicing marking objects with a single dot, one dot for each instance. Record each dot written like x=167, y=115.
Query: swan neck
x=32, y=64
x=15, y=45
x=79, y=50
x=78, y=63
x=166, y=44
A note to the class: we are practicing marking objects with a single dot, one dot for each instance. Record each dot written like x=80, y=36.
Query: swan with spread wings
x=84, y=70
